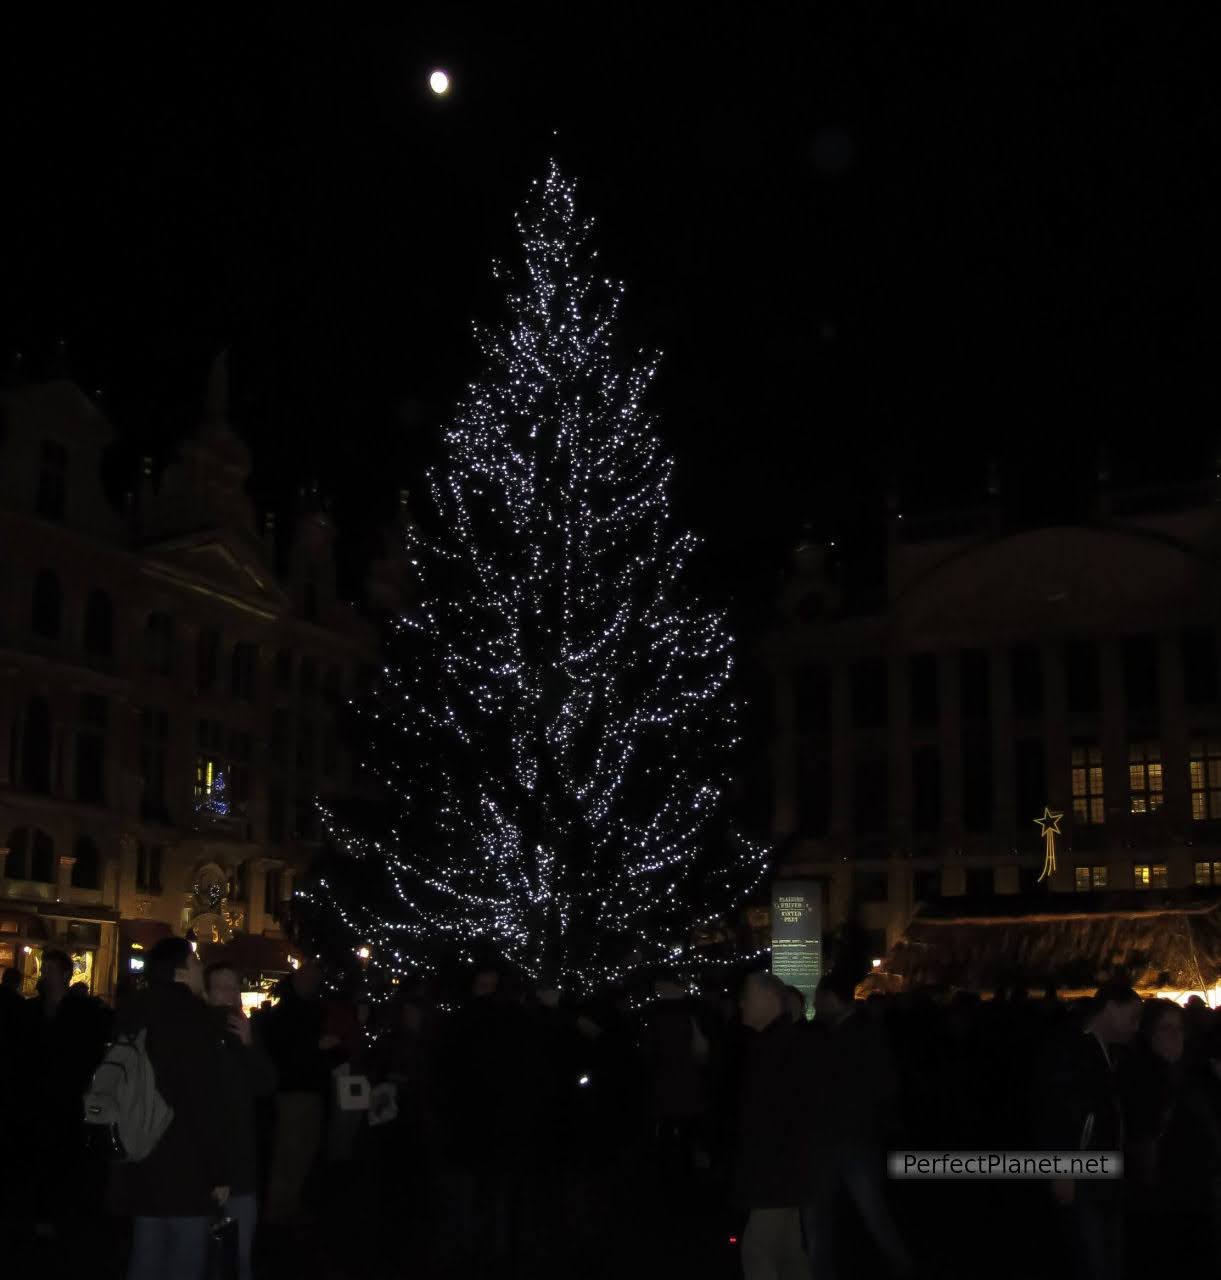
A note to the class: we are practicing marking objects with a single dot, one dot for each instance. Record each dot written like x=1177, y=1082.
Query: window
x=926, y=790
x=36, y=746
x=244, y=668
x=1140, y=672
x=98, y=635
x=871, y=886
x=869, y=701
x=812, y=698
x=1205, y=773
x=1199, y=656
x=1145, y=777
x=332, y=686
x=1088, y=803
x=159, y=644
x=973, y=684
x=207, y=660
x=148, y=868
x=980, y=882
x=91, y=750
x=47, y=606
x=280, y=730
x=1208, y=873
x=284, y=671
x=926, y=886
x=1147, y=875
x=87, y=869
x=308, y=680
x=154, y=739
x=1027, y=680
x=1081, y=676
x=1086, y=879
x=1030, y=782
x=923, y=696
x=306, y=747
x=271, y=894
x=241, y=750
x=210, y=782
x=277, y=806
x=16, y=864
x=31, y=856
x=977, y=796
x=52, y=480
x=869, y=792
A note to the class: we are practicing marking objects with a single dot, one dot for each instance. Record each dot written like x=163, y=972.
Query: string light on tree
x=553, y=734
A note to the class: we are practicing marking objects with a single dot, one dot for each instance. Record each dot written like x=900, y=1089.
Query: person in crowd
x=247, y=1074
x=1172, y=1148
x=676, y=1048
x=304, y=1054
x=174, y=1193
x=1078, y=1107
x=773, y=1170
x=795, y=1004
x=491, y=1125
x=856, y=1106
x=65, y=1036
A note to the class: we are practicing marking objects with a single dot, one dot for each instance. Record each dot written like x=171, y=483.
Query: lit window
x=1205, y=774
x=1147, y=875
x=1088, y=804
x=1208, y=873
x=1145, y=777
x=1090, y=878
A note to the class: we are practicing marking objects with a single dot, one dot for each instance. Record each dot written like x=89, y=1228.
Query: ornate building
x=170, y=694
x=917, y=738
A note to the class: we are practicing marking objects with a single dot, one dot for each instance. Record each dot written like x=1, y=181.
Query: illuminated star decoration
x=553, y=735
x=1050, y=825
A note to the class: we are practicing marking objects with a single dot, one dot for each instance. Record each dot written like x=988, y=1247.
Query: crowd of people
x=715, y=1132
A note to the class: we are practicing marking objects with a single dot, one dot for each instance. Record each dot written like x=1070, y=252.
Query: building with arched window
x=918, y=733
x=159, y=763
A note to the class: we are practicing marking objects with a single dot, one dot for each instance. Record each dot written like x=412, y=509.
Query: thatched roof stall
x=1160, y=943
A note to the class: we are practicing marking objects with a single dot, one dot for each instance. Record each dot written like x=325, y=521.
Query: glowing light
x=363, y=953
x=27, y=950
x=1050, y=825
x=583, y=1081
x=438, y=82
x=876, y=962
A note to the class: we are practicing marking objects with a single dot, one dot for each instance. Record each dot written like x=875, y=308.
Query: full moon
x=438, y=82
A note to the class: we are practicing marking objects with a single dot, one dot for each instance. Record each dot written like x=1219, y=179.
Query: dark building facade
x=171, y=693
x=915, y=741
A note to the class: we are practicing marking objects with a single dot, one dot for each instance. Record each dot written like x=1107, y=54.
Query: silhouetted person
x=1078, y=1107
x=795, y=1004
x=247, y=1074
x=774, y=1159
x=66, y=1030
x=304, y=1054
x=1172, y=1150
x=174, y=1191
x=855, y=1106
x=676, y=1050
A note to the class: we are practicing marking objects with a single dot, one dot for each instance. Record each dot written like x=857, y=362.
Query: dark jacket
x=290, y=1031
x=860, y=1082
x=195, y=1154
x=679, y=1077
x=246, y=1075
x=776, y=1117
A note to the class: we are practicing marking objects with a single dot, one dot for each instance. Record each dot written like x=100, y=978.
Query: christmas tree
x=553, y=731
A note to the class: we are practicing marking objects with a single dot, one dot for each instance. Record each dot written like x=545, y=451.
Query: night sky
x=872, y=241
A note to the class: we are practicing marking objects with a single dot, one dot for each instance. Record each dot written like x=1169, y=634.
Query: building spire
x=216, y=398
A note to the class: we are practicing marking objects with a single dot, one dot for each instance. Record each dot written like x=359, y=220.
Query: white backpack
x=123, y=1108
